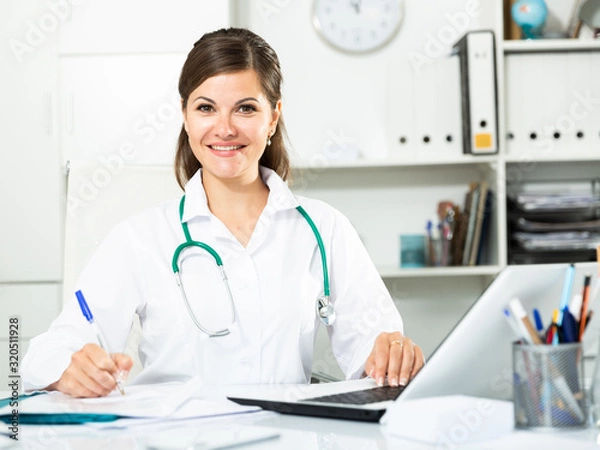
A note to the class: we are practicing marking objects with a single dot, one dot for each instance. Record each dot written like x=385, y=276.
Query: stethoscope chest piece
x=325, y=311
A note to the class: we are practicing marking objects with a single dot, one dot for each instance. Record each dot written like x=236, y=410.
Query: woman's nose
x=224, y=126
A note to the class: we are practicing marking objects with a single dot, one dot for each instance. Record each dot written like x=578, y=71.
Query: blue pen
x=85, y=309
x=539, y=325
x=566, y=293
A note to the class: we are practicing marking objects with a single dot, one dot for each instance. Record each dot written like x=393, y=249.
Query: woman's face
x=228, y=120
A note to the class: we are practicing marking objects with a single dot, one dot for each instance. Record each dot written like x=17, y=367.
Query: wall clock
x=357, y=26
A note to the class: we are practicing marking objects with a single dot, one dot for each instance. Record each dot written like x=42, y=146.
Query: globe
x=530, y=16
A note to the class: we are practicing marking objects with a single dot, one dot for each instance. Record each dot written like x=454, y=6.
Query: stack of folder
x=553, y=227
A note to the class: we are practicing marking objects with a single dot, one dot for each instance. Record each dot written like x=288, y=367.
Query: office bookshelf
x=579, y=157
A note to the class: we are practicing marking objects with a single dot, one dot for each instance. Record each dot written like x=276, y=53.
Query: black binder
x=479, y=99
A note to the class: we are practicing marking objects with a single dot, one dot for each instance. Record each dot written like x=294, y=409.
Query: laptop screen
x=476, y=356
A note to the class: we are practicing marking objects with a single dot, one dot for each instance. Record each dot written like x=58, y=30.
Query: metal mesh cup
x=548, y=386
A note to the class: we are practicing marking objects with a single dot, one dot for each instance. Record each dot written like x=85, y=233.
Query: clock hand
x=356, y=5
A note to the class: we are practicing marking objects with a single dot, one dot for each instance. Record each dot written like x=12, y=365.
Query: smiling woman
x=229, y=122
x=257, y=268
x=227, y=53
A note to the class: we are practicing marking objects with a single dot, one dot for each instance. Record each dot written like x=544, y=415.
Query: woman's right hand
x=92, y=372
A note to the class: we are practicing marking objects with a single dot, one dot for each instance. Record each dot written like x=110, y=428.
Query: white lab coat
x=275, y=282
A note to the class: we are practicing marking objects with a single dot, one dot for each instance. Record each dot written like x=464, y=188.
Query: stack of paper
x=173, y=401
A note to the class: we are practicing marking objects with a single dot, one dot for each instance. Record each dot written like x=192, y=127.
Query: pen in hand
x=90, y=318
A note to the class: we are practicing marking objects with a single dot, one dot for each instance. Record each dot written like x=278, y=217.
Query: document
x=194, y=408
x=158, y=401
x=139, y=401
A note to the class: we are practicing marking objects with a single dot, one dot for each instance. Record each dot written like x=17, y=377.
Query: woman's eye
x=205, y=108
x=247, y=109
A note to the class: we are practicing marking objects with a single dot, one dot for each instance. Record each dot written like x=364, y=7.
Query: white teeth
x=225, y=148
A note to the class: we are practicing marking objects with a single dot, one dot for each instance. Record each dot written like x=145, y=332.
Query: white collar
x=196, y=204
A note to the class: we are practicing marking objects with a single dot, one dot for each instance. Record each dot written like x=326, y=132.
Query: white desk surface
x=295, y=432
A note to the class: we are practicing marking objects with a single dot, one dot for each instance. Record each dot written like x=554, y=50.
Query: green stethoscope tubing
x=324, y=309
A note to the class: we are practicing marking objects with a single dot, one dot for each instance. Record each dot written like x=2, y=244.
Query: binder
x=581, y=82
x=515, y=75
x=471, y=212
x=446, y=128
x=400, y=120
x=483, y=209
x=477, y=53
x=534, y=139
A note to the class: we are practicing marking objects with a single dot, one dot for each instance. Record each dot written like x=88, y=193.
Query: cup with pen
x=548, y=377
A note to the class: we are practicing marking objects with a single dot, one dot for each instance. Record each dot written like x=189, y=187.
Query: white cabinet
x=30, y=173
x=137, y=26
x=120, y=107
x=119, y=70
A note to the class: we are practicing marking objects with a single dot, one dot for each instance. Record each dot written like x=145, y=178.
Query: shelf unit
x=560, y=148
x=503, y=166
x=390, y=189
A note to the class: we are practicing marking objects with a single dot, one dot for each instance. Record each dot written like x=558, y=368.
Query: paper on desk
x=193, y=408
x=157, y=400
x=453, y=418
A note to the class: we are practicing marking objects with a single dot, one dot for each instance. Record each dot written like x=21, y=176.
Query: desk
x=296, y=432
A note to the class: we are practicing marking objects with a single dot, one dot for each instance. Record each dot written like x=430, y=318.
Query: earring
x=268, y=141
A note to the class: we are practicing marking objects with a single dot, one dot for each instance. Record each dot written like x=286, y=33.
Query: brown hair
x=232, y=50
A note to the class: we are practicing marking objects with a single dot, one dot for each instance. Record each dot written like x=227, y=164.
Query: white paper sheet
x=450, y=419
x=158, y=400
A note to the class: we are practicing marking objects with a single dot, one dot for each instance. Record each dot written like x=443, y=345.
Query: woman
x=232, y=162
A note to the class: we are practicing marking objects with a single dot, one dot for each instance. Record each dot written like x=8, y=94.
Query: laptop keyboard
x=378, y=394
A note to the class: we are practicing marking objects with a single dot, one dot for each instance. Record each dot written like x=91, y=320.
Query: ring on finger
x=400, y=343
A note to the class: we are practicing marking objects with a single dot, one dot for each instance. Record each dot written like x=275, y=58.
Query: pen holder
x=548, y=386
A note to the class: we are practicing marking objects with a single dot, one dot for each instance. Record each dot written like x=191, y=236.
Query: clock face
x=357, y=26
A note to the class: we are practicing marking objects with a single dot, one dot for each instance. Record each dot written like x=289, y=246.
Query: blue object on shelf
x=412, y=250
x=530, y=16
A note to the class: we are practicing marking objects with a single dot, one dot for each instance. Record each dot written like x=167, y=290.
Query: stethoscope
x=324, y=308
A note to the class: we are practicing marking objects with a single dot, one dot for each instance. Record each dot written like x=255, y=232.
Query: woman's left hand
x=395, y=355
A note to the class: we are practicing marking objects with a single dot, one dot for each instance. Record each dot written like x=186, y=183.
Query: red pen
x=584, y=305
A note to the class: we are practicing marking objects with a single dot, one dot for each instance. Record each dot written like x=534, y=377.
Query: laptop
x=475, y=358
